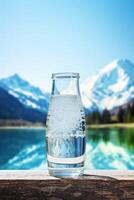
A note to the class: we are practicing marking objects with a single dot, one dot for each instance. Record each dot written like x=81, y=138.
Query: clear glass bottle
x=65, y=132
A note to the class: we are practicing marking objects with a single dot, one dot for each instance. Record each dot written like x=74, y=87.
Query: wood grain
x=38, y=185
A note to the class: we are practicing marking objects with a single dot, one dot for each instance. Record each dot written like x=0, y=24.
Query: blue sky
x=38, y=37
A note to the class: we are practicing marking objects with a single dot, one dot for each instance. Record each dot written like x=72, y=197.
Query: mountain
x=111, y=87
x=11, y=108
x=29, y=95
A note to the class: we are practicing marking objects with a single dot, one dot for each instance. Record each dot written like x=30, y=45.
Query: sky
x=40, y=37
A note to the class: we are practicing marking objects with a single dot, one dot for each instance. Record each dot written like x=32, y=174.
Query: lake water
x=106, y=148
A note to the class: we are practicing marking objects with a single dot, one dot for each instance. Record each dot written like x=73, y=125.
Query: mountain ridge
x=11, y=108
x=29, y=95
x=112, y=86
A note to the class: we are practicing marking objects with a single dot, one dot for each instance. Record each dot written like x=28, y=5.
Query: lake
x=106, y=148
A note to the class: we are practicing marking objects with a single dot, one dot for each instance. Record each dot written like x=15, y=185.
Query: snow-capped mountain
x=111, y=87
x=27, y=94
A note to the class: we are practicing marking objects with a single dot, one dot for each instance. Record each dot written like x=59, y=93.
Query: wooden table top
x=93, y=185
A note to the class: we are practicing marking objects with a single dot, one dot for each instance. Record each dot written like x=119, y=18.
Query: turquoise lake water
x=106, y=148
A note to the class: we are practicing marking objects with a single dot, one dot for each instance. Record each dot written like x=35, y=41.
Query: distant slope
x=11, y=108
x=111, y=87
x=29, y=95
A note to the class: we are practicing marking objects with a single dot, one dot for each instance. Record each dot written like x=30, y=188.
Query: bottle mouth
x=65, y=75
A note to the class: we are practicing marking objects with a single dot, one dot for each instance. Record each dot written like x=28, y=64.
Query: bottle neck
x=65, y=84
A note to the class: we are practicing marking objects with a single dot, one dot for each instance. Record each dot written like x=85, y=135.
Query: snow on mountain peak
x=26, y=93
x=111, y=87
x=112, y=65
x=17, y=83
x=117, y=64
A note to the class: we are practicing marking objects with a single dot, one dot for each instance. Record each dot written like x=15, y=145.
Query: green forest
x=121, y=115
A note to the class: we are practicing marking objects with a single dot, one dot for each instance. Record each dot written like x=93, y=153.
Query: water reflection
x=110, y=148
x=120, y=136
x=107, y=148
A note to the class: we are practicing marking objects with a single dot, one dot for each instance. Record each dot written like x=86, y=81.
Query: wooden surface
x=38, y=185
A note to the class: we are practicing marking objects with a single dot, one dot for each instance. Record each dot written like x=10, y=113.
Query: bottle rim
x=65, y=75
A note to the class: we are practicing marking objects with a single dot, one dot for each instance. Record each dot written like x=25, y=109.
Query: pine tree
x=121, y=115
x=132, y=112
x=93, y=118
x=106, y=117
x=97, y=117
x=88, y=119
x=128, y=114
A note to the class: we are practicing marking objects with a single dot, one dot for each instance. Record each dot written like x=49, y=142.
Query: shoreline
x=116, y=125
x=22, y=127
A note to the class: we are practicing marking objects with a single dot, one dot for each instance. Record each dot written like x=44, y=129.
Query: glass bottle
x=65, y=127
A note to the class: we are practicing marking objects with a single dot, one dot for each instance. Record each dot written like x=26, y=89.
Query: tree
x=121, y=115
x=132, y=112
x=93, y=118
x=128, y=114
x=106, y=117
